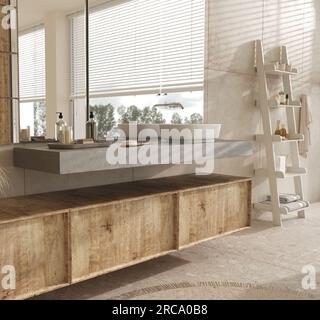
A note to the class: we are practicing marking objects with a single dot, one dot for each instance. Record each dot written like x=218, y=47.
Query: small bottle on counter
x=60, y=129
x=92, y=128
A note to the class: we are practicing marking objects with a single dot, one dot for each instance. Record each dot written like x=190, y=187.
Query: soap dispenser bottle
x=60, y=129
x=91, y=128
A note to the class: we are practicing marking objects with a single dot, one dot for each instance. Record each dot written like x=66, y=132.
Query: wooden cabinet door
x=209, y=212
x=37, y=249
x=110, y=237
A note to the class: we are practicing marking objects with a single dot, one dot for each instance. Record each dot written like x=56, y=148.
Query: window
x=138, y=50
x=32, y=80
x=78, y=56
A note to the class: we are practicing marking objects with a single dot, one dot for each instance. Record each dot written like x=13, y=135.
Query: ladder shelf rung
x=261, y=138
x=283, y=106
x=265, y=207
x=270, y=69
x=290, y=173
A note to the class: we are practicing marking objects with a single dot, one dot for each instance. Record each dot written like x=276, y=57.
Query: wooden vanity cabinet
x=213, y=211
x=108, y=237
x=38, y=250
x=57, y=239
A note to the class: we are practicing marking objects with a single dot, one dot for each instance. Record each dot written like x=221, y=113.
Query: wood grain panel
x=107, y=237
x=4, y=37
x=60, y=238
x=20, y=208
x=5, y=88
x=38, y=250
x=207, y=213
x=5, y=84
x=5, y=121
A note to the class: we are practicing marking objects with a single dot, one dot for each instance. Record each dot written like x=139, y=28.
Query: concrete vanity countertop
x=40, y=158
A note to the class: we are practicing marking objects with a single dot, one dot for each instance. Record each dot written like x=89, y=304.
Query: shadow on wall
x=232, y=84
x=293, y=23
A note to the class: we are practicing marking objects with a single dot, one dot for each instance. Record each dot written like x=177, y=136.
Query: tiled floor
x=263, y=262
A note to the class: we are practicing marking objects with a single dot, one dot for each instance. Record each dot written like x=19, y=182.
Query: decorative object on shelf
x=278, y=68
x=281, y=164
x=282, y=96
x=278, y=130
x=275, y=163
x=282, y=66
x=289, y=68
x=275, y=100
x=283, y=132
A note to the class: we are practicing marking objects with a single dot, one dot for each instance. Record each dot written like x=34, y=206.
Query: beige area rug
x=223, y=290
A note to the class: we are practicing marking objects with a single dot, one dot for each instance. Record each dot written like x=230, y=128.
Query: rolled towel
x=293, y=206
x=287, y=198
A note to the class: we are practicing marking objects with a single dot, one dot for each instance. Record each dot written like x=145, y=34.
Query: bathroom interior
x=76, y=73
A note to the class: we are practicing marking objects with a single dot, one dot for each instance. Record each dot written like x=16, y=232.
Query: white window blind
x=78, y=55
x=146, y=46
x=32, y=72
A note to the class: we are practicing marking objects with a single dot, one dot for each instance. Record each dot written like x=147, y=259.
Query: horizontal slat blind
x=32, y=62
x=144, y=46
x=78, y=55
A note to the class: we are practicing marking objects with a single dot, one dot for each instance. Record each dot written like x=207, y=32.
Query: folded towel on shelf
x=287, y=198
x=293, y=206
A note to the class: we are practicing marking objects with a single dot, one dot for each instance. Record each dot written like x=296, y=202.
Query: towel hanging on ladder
x=305, y=126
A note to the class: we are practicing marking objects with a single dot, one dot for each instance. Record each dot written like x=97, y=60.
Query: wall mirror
x=52, y=64
x=146, y=64
x=146, y=61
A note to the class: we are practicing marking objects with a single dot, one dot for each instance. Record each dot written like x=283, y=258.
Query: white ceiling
x=32, y=12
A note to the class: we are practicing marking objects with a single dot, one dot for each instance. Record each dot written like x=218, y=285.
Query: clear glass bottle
x=92, y=128
x=60, y=129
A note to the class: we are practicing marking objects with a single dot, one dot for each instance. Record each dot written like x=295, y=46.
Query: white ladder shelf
x=268, y=139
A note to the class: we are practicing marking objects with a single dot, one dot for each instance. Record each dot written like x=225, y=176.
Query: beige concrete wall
x=57, y=68
x=231, y=89
x=232, y=82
